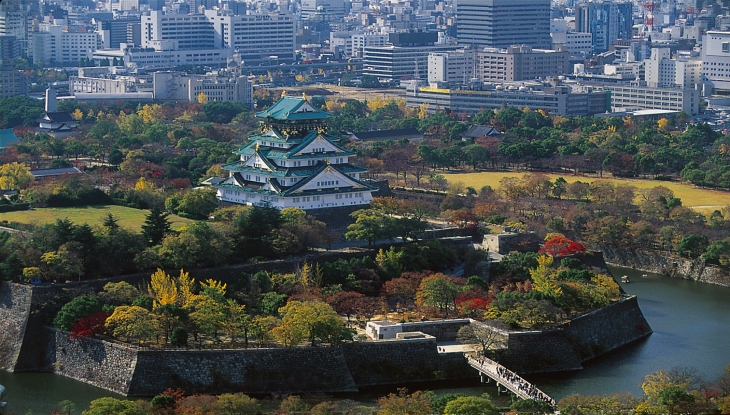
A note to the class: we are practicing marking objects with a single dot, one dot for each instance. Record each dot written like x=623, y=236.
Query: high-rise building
x=503, y=23
x=15, y=23
x=117, y=31
x=9, y=50
x=178, y=31
x=255, y=37
x=455, y=67
x=519, y=63
x=406, y=57
x=661, y=71
x=329, y=8
x=716, y=62
x=55, y=44
x=606, y=21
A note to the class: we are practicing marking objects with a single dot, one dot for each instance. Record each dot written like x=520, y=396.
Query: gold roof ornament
x=283, y=93
x=257, y=146
x=304, y=95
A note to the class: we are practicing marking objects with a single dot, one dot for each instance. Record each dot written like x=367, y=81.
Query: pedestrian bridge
x=508, y=379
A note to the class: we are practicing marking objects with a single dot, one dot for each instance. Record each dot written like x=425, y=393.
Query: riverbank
x=655, y=263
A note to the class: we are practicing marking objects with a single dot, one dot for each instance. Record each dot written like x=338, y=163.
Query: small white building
x=382, y=330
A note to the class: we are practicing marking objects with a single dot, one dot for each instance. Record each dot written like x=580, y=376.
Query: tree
x=309, y=320
x=693, y=245
x=155, y=227
x=237, y=404
x=74, y=310
x=560, y=246
x=118, y=293
x=163, y=288
x=294, y=405
x=89, y=326
x=132, y=322
x=482, y=337
x=370, y=225
x=112, y=406
x=417, y=403
x=222, y=112
x=438, y=291
x=471, y=405
x=14, y=176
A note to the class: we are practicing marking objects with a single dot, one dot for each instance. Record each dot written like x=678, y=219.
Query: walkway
x=508, y=379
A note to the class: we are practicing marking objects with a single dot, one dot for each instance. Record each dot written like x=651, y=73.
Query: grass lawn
x=129, y=218
x=690, y=196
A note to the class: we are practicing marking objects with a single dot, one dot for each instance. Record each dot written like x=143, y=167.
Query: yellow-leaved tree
x=132, y=322
x=150, y=113
x=163, y=288
x=543, y=277
x=185, y=286
x=202, y=98
x=144, y=184
x=14, y=176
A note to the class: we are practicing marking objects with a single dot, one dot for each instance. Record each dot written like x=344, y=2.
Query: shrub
x=179, y=337
x=75, y=310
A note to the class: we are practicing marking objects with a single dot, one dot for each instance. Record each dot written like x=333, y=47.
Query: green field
x=129, y=218
x=691, y=196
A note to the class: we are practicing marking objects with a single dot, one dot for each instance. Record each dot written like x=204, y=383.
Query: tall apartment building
x=13, y=83
x=118, y=31
x=177, y=86
x=362, y=40
x=456, y=67
x=503, y=23
x=405, y=58
x=518, y=63
x=605, y=20
x=661, y=71
x=55, y=44
x=255, y=36
x=15, y=23
x=179, y=31
x=9, y=50
x=716, y=62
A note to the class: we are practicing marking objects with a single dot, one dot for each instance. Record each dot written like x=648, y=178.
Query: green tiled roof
x=303, y=171
x=286, y=109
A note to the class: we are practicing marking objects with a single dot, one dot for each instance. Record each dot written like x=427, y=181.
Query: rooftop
x=293, y=108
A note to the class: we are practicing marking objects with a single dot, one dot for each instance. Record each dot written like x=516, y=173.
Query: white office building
x=716, y=62
x=576, y=43
x=632, y=97
x=54, y=44
x=451, y=67
x=661, y=71
x=177, y=31
x=255, y=37
x=158, y=59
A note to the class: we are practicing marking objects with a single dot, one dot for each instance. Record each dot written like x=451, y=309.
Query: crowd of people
x=507, y=376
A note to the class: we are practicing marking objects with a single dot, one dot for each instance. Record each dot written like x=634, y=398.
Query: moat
x=688, y=320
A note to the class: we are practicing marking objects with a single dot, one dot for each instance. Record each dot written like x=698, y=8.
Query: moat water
x=690, y=322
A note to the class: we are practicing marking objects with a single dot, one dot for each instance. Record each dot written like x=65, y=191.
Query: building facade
x=576, y=43
x=180, y=31
x=292, y=162
x=451, y=67
x=255, y=37
x=503, y=23
x=661, y=71
x=716, y=62
x=630, y=97
x=150, y=58
x=560, y=100
x=605, y=20
x=13, y=83
x=177, y=86
x=56, y=45
x=518, y=63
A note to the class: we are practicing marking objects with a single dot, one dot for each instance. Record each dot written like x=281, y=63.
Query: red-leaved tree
x=559, y=246
x=89, y=326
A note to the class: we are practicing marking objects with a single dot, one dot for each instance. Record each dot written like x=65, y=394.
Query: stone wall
x=100, y=363
x=15, y=306
x=653, y=262
x=578, y=340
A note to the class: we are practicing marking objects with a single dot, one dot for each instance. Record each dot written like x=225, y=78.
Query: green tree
x=438, y=291
x=155, y=227
x=74, y=310
x=370, y=225
x=471, y=405
x=309, y=320
x=112, y=406
x=693, y=245
x=237, y=404
x=132, y=322
x=198, y=203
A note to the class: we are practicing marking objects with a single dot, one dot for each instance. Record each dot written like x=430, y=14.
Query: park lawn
x=691, y=196
x=128, y=218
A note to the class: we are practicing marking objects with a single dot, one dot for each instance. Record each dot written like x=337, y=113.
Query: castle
x=292, y=162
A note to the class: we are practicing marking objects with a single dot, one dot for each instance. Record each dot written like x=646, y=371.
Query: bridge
x=505, y=377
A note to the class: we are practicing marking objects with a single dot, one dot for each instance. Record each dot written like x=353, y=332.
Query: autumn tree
x=438, y=291
x=559, y=246
x=482, y=337
x=403, y=403
x=14, y=176
x=471, y=405
x=74, y=310
x=310, y=320
x=132, y=322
